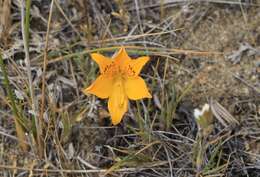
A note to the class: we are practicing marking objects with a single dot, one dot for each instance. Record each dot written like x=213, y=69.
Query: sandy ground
x=201, y=52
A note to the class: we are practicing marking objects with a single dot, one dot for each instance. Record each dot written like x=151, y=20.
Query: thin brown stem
x=45, y=62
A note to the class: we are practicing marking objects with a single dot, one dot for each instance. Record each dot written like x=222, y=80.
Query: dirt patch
x=201, y=52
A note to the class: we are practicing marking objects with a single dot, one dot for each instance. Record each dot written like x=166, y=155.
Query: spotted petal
x=138, y=64
x=121, y=58
x=102, y=61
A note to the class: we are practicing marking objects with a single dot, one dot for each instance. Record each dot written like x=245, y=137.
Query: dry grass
x=201, y=52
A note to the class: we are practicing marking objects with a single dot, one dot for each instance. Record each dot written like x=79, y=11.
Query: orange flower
x=119, y=81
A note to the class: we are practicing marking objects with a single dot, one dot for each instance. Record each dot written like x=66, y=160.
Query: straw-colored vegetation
x=198, y=116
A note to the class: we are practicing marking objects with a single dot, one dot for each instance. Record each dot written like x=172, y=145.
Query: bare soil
x=201, y=52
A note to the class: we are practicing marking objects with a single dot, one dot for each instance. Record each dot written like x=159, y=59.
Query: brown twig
x=45, y=62
x=150, y=49
x=10, y=167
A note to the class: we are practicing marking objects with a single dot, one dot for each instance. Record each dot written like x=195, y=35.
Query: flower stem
x=139, y=117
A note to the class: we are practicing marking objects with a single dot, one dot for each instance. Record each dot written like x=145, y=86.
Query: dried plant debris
x=189, y=44
x=222, y=115
x=245, y=49
x=5, y=20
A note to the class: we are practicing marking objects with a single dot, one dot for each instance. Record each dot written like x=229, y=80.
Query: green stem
x=27, y=21
x=139, y=118
x=8, y=88
x=17, y=116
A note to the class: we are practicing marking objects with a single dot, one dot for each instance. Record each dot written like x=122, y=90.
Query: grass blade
x=19, y=129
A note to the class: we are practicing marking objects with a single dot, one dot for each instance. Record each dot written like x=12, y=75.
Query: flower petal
x=117, y=103
x=101, y=87
x=121, y=58
x=101, y=60
x=136, y=88
x=138, y=64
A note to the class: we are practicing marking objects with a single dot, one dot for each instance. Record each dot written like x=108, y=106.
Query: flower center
x=130, y=71
x=114, y=69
